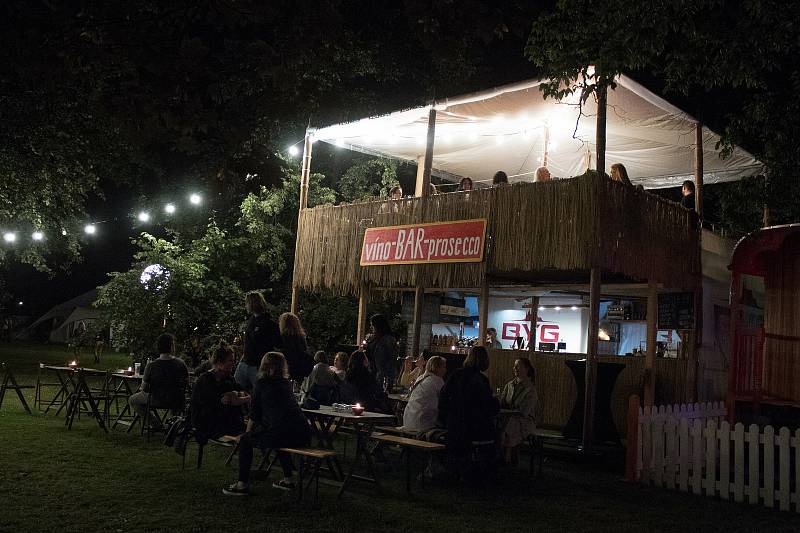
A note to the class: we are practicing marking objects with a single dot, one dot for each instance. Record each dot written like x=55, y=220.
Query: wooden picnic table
x=326, y=422
x=83, y=395
x=122, y=385
x=66, y=378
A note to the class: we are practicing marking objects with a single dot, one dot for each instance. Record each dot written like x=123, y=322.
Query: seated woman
x=276, y=421
x=519, y=394
x=412, y=370
x=340, y=364
x=323, y=383
x=361, y=387
x=422, y=410
x=217, y=400
x=467, y=406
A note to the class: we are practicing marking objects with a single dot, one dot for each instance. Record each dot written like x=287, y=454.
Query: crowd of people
x=260, y=396
x=542, y=174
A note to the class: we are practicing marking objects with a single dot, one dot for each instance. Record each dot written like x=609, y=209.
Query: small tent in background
x=60, y=323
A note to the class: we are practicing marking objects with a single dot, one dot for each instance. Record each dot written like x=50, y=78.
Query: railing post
x=632, y=439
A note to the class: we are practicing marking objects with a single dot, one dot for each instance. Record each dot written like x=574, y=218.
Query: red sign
x=459, y=241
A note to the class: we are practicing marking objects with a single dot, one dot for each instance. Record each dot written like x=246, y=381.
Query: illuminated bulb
x=64, y=232
x=143, y=216
x=574, y=307
x=90, y=229
x=294, y=151
x=453, y=348
x=541, y=308
x=9, y=237
x=20, y=303
x=195, y=199
x=557, y=308
x=37, y=235
x=169, y=209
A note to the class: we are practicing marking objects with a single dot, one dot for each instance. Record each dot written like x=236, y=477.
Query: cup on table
x=136, y=368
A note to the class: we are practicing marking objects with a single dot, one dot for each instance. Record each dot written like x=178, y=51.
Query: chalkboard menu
x=676, y=310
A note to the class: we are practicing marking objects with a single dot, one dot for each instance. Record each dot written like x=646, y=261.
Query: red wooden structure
x=765, y=308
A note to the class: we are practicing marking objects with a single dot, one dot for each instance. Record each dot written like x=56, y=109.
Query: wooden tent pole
x=600, y=131
x=363, y=298
x=698, y=170
x=305, y=173
x=650, y=356
x=422, y=189
x=534, y=323
x=591, y=358
x=483, y=313
x=546, y=155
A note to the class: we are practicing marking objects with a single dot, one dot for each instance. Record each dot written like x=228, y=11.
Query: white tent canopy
x=512, y=127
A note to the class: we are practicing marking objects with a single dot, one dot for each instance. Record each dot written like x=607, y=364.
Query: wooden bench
x=408, y=445
x=315, y=456
x=536, y=441
x=398, y=431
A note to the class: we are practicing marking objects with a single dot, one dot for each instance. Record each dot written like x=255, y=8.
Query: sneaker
x=284, y=485
x=234, y=490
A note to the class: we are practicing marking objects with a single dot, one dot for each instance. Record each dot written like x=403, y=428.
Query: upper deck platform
x=536, y=232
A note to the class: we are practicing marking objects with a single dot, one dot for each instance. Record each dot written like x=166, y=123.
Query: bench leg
x=408, y=471
x=234, y=451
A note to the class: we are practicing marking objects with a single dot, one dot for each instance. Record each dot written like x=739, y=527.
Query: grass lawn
x=52, y=479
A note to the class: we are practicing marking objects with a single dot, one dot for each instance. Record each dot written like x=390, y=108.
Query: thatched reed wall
x=565, y=225
x=782, y=323
x=555, y=384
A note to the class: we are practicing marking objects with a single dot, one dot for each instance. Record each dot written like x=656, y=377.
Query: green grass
x=52, y=479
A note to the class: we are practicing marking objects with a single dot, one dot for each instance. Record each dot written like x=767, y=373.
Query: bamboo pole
x=423, y=189
x=305, y=173
x=591, y=358
x=483, y=313
x=534, y=323
x=650, y=356
x=546, y=155
x=363, y=298
x=600, y=130
x=698, y=170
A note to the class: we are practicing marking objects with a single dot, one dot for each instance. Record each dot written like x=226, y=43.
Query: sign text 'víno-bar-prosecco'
x=460, y=241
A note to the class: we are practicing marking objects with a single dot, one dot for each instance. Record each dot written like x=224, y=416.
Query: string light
x=143, y=216
x=90, y=229
x=9, y=237
x=37, y=236
x=195, y=198
x=169, y=209
x=294, y=151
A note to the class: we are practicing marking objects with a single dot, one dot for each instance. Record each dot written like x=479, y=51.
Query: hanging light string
x=13, y=236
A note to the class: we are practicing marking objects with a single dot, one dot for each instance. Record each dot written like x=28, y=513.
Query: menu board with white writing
x=676, y=310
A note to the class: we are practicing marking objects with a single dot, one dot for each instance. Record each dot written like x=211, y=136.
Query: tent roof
x=65, y=308
x=753, y=252
x=504, y=129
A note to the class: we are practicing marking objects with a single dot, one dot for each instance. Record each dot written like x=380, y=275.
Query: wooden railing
x=534, y=230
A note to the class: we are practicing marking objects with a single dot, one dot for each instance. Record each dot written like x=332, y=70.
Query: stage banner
x=459, y=241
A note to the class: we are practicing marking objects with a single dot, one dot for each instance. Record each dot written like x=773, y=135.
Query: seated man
x=216, y=407
x=165, y=379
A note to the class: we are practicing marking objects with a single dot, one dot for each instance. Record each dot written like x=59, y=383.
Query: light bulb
x=37, y=235
x=143, y=216
x=169, y=209
x=90, y=229
x=294, y=151
x=195, y=199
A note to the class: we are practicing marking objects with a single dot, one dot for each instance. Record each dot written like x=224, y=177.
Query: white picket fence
x=693, y=449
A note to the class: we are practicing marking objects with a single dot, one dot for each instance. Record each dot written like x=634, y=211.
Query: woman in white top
x=423, y=400
x=519, y=394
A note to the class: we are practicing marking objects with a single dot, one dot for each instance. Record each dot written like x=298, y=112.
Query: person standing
x=295, y=347
x=542, y=174
x=261, y=336
x=687, y=193
x=382, y=350
x=276, y=421
x=620, y=173
x=491, y=339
